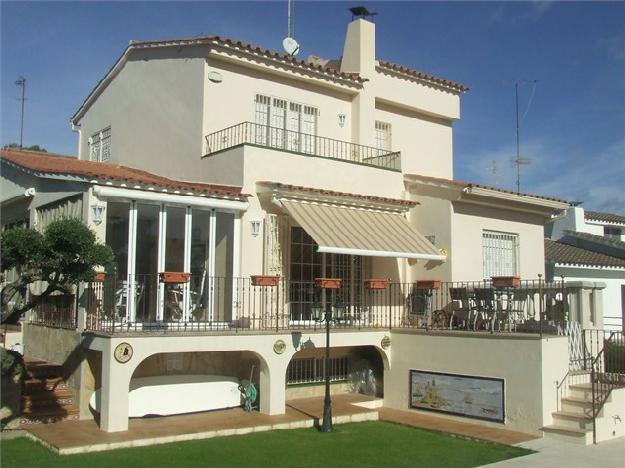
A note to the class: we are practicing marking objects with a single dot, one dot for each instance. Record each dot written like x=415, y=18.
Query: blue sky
x=573, y=127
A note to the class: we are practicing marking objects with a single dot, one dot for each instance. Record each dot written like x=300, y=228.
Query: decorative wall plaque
x=386, y=342
x=279, y=347
x=123, y=352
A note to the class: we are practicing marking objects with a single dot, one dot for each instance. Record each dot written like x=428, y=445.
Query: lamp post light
x=327, y=314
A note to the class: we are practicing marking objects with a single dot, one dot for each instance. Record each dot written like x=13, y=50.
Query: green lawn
x=370, y=444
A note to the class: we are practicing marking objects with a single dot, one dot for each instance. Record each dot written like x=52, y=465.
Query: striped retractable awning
x=355, y=231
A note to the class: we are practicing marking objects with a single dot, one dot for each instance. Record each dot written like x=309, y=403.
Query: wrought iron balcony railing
x=301, y=143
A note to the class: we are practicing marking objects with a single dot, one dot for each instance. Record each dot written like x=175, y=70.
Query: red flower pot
x=265, y=280
x=328, y=283
x=376, y=283
x=506, y=281
x=174, y=277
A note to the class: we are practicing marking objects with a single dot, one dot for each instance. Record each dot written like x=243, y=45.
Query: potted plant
x=376, y=283
x=100, y=276
x=265, y=280
x=506, y=281
x=428, y=284
x=174, y=277
x=328, y=283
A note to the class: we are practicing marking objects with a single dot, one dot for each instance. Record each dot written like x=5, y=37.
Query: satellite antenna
x=518, y=161
x=289, y=44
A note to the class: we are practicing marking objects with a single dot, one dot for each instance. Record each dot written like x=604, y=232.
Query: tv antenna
x=518, y=161
x=21, y=81
x=289, y=44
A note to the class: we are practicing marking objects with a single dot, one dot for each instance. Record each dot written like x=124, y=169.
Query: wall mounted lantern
x=255, y=227
x=97, y=213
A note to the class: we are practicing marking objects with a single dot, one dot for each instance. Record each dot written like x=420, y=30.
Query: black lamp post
x=327, y=314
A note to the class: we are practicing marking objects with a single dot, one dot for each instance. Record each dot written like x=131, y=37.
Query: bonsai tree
x=65, y=254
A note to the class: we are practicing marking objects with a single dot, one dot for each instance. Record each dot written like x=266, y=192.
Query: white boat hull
x=166, y=395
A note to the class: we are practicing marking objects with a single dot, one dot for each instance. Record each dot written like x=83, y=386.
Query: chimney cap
x=362, y=12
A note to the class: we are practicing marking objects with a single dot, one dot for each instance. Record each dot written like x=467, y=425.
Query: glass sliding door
x=224, y=249
x=146, y=262
x=199, y=302
x=117, y=228
x=174, y=260
x=308, y=264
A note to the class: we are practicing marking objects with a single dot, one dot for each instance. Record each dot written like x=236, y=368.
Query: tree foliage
x=15, y=146
x=65, y=254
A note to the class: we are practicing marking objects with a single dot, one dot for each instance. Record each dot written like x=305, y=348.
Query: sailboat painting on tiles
x=462, y=395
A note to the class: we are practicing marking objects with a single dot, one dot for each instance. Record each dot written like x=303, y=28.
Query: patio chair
x=485, y=308
x=515, y=310
x=462, y=311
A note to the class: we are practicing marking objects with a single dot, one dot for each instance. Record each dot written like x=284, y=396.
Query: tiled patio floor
x=85, y=436
x=69, y=437
x=467, y=429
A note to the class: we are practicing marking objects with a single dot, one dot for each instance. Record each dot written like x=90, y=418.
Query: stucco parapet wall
x=475, y=335
x=585, y=284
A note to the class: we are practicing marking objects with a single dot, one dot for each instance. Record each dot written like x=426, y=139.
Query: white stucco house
x=589, y=245
x=244, y=192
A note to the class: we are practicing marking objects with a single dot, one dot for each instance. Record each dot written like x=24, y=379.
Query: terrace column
x=114, y=392
x=273, y=385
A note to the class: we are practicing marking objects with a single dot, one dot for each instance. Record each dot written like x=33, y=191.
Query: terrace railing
x=58, y=311
x=301, y=143
x=235, y=304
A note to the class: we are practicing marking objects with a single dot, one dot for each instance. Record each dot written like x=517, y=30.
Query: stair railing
x=607, y=371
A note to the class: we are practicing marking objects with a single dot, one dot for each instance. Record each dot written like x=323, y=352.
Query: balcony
x=234, y=305
x=248, y=133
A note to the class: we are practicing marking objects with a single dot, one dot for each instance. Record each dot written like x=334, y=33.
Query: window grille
x=311, y=370
x=499, y=254
x=100, y=146
x=382, y=135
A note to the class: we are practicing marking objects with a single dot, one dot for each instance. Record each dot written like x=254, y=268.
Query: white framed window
x=382, y=135
x=612, y=232
x=285, y=124
x=100, y=145
x=500, y=253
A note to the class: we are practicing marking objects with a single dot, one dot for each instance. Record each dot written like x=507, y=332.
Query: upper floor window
x=285, y=124
x=383, y=135
x=100, y=145
x=500, y=254
x=612, y=231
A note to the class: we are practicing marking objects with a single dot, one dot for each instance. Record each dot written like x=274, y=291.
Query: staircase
x=46, y=397
x=573, y=420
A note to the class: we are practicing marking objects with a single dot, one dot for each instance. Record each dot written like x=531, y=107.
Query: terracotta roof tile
x=332, y=193
x=47, y=163
x=463, y=184
x=605, y=217
x=250, y=48
x=605, y=240
x=559, y=252
x=422, y=75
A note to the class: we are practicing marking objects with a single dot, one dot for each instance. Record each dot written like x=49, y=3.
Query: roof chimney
x=359, y=48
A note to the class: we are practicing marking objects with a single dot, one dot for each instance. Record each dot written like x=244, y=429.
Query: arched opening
x=353, y=369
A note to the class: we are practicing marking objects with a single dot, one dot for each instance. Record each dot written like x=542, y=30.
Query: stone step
x=26, y=420
x=37, y=385
x=576, y=436
x=582, y=391
x=576, y=405
x=44, y=370
x=572, y=420
x=46, y=399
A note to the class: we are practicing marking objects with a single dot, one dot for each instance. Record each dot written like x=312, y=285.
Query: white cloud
x=613, y=46
x=598, y=180
x=532, y=11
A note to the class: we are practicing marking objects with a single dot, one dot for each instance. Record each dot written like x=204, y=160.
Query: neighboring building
x=205, y=161
x=588, y=245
